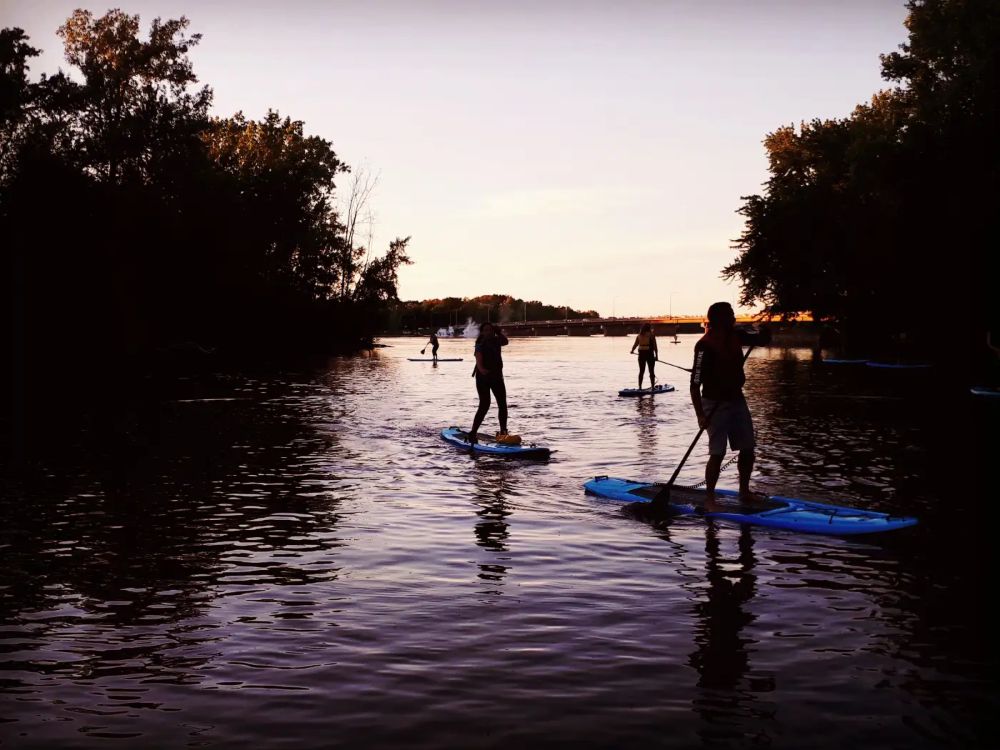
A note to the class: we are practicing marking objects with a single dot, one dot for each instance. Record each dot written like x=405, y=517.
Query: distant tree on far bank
x=440, y=313
x=886, y=221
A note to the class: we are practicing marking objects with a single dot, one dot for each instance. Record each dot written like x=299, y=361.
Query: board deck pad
x=696, y=498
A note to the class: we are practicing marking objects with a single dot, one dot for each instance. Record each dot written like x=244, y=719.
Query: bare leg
x=483, y=388
x=745, y=466
x=712, y=470
x=500, y=391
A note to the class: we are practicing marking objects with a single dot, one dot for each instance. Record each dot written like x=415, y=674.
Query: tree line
x=140, y=228
x=503, y=308
x=885, y=222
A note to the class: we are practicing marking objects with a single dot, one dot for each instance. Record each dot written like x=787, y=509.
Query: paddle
x=663, y=496
x=669, y=364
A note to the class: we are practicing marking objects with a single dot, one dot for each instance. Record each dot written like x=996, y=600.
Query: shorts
x=730, y=420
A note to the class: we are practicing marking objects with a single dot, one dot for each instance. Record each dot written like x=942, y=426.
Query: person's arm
x=699, y=410
x=696, y=378
x=479, y=364
x=634, y=345
x=503, y=339
x=652, y=346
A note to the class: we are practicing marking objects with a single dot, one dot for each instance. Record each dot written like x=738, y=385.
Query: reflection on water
x=491, y=486
x=727, y=697
x=299, y=555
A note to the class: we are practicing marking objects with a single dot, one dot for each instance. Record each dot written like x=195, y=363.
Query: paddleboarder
x=489, y=377
x=646, y=342
x=433, y=343
x=717, y=380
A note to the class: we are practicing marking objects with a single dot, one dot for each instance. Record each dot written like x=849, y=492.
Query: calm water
x=300, y=561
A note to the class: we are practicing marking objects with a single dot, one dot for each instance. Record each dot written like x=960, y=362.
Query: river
x=298, y=560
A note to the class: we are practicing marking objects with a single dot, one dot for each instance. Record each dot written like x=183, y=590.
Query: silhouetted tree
x=139, y=231
x=882, y=219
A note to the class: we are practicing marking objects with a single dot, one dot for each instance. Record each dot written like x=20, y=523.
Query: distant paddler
x=646, y=343
x=433, y=343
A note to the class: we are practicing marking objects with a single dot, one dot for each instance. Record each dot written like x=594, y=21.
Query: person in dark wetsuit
x=717, y=380
x=433, y=342
x=489, y=377
x=646, y=342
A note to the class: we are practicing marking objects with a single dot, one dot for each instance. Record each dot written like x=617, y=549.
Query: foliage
x=435, y=313
x=876, y=219
x=138, y=229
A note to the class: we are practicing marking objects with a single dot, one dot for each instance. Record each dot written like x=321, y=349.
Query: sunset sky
x=582, y=153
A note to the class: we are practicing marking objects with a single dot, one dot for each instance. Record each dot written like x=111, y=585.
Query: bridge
x=662, y=326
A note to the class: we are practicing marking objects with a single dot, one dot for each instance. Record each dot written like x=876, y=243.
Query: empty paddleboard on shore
x=661, y=388
x=429, y=359
x=791, y=514
x=460, y=438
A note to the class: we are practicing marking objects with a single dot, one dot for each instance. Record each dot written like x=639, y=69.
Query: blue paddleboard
x=662, y=388
x=900, y=365
x=844, y=361
x=775, y=512
x=459, y=438
x=985, y=391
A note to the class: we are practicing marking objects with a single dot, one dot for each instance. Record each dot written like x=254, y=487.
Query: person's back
x=718, y=366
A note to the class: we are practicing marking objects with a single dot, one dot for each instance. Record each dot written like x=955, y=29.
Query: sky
x=581, y=153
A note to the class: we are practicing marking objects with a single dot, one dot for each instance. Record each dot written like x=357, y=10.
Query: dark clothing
x=489, y=347
x=718, y=369
x=647, y=358
x=718, y=364
x=434, y=348
x=485, y=384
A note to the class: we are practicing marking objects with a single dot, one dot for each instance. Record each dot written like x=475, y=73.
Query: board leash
x=722, y=468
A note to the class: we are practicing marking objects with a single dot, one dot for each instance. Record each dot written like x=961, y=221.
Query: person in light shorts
x=717, y=380
x=730, y=422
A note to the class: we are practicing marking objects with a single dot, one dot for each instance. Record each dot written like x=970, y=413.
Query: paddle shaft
x=668, y=364
x=697, y=437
